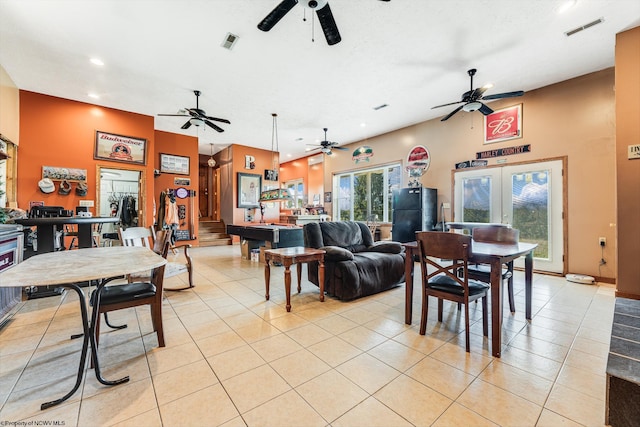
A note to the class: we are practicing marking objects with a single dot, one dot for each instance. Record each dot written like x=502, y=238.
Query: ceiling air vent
x=229, y=41
x=584, y=27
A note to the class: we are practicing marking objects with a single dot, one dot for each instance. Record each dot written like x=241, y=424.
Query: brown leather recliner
x=355, y=265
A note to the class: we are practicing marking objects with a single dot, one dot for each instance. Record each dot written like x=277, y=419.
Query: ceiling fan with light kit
x=471, y=100
x=326, y=146
x=322, y=9
x=198, y=117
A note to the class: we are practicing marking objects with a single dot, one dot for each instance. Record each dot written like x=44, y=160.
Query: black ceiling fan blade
x=211, y=125
x=451, y=113
x=276, y=14
x=477, y=93
x=215, y=119
x=328, y=25
x=485, y=109
x=446, y=105
x=186, y=125
x=338, y=148
x=174, y=115
x=504, y=95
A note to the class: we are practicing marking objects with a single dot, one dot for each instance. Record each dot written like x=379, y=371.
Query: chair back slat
x=496, y=234
x=444, y=245
x=136, y=236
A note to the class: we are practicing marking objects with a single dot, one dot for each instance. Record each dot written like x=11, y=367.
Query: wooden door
x=208, y=195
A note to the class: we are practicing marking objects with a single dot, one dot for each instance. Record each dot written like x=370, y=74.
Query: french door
x=527, y=196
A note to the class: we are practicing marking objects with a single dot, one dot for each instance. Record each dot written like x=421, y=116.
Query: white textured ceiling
x=409, y=54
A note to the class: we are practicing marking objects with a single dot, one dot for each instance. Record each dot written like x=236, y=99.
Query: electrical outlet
x=602, y=241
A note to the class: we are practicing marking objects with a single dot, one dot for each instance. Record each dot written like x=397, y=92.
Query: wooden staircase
x=213, y=233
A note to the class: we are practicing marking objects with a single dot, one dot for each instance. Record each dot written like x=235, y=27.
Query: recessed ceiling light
x=93, y=95
x=363, y=125
x=97, y=61
x=566, y=6
x=288, y=154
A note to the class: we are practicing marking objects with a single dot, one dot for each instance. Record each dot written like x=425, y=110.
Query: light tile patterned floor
x=234, y=359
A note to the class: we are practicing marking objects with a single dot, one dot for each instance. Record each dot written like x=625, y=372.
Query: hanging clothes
x=171, y=211
x=128, y=211
x=168, y=217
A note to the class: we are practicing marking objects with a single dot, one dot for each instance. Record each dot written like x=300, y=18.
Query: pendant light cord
x=274, y=139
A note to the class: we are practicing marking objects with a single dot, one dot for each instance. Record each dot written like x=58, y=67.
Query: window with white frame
x=296, y=189
x=366, y=193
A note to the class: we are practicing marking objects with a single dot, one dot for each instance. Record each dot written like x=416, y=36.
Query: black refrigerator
x=414, y=209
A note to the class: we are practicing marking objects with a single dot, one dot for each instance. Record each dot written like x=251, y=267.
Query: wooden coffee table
x=287, y=257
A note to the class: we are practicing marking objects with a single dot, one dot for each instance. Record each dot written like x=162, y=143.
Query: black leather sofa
x=355, y=265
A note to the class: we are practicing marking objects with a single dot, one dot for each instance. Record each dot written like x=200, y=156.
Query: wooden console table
x=287, y=257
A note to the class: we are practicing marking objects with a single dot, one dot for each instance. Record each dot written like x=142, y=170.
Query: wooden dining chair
x=132, y=294
x=148, y=237
x=141, y=289
x=482, y=272
x=436, y=250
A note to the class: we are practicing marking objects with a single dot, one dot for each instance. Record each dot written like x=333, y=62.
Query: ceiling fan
x=322, y=9
x=198, y=117
x=471, y=99
x=326, y=146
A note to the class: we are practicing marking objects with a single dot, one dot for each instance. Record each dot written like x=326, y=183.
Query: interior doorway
x=208, y=190
x=119, y=188
x=529, y=196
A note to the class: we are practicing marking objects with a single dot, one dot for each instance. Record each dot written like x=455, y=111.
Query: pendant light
x=211, y=162
x=278, y=194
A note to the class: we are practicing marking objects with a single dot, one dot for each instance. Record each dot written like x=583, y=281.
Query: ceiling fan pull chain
x=313, y=28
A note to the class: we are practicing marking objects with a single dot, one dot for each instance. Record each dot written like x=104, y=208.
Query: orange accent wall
x=178, y=145
x=60, y=132
x=312, y=176
x=232, y=161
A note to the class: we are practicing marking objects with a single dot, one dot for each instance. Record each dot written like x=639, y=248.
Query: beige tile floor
x=234, y=359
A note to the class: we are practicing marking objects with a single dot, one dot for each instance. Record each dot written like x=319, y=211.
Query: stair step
x=212, y=236
x=213, y=233
x=218, y=242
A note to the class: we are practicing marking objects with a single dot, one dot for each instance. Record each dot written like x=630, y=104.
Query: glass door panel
x=527, y=196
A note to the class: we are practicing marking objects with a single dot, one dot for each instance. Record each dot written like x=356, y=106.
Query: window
x=296, y=189
x=361, y=194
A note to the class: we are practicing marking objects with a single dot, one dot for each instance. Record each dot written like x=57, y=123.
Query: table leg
x=528, y=280
x=46, y=238
x=496, y=307
x=83, y=353
x=287, y=285
x=299, y=276
x=408, y=286
x=321, y=277
x=267, y=276
x=95, y=317
x=84, y=236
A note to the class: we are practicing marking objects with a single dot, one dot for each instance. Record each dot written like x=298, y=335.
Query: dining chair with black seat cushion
x=150, y=238
x=437, y=250
x=482, y=272
x=132, y=294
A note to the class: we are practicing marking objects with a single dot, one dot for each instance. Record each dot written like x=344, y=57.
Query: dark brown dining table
x=496, y=255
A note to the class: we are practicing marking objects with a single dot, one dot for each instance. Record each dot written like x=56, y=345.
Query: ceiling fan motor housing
x=314, y=4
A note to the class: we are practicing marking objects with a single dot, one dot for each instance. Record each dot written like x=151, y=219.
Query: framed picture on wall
x=503, y=125
x=174, y=164
x=249, y=187
x=120, y=148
